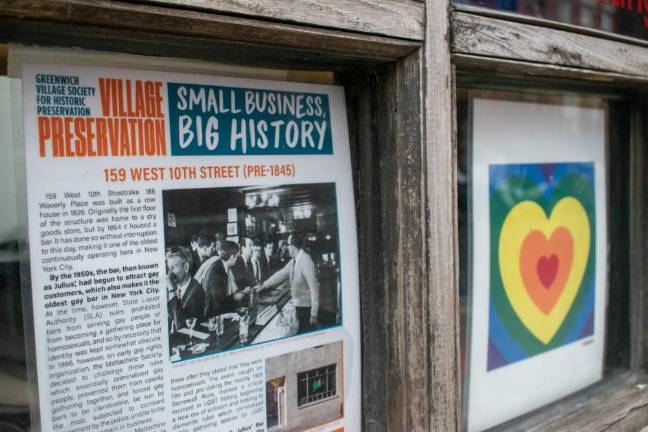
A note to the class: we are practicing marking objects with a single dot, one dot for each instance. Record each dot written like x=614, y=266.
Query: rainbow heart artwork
x=542, y=243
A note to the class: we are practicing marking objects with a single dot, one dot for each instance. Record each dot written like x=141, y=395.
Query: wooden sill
x=618, y=403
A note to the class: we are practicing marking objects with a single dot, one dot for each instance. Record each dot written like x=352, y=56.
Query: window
x=587, y=14
x=316, y=385
x=565, y=12
x=14, y=402
x=525, y=326
x=628, y=18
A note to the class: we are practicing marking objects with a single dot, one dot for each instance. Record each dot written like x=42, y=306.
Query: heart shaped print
x=542, y=261
x=547, y=269
x=545, y=265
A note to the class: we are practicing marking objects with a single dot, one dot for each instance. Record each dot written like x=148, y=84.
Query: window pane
x=302, y=391
x=625, y=17
x=533, y=240
x=316, y=384
x=14, y=404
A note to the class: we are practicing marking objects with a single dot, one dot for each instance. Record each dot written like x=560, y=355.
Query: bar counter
x=272, y=329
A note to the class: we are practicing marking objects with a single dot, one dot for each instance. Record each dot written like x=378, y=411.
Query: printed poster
x=538, y=249
x=193, y=252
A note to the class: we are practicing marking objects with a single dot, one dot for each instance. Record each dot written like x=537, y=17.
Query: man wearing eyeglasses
x=186, y=296
x=304, y=287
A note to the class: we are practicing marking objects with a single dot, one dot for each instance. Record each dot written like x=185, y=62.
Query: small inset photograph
x=247, y=265
x=305, y=390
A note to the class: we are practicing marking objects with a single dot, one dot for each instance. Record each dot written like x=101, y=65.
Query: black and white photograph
x=251, y=264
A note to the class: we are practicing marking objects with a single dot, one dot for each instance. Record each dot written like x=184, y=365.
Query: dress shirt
x=182, y=289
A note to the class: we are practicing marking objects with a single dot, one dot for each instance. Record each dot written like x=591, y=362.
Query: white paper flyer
x=193, y=252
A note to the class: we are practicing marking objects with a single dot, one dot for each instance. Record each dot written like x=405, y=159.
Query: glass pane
x=302, y=386
x=316, y=384
x=14, y=403
x=626, y=17
x=533, y=239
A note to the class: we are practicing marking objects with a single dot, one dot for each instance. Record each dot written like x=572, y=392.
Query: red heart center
x=545, y=265
x=547, y=269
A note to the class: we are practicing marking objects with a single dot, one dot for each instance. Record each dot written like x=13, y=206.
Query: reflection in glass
x=628, y=18
x=14, y=404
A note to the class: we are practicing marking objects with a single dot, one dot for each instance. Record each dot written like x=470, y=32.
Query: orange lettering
x=123, y=138
x=139, y=99
x=120, y=98
x=57, y=136
x=43, y=134
x=104, y=89
x=148, y=137
x=160, y=137
x=67, y=122
x=102, y=142
x=80, y=144
x=114, y=97
x=132, y=123
x=140, y=137
x=113, y=137
x=158, y=98
x=129, y=99
x=150, y=98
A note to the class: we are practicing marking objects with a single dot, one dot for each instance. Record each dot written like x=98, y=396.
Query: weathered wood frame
x=501, y=47
x=396, y=67
x=401, y=122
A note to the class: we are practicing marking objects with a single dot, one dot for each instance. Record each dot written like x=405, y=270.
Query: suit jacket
x=195, y=262
x=191, y=305
x=304, y=287
x=262, y=273
x=216, y=284
x=269, y=266
x=204, y=270
x=243, y=273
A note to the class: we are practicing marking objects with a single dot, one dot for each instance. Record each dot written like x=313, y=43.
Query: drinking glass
x=220, y=326
x=191, y=323
x=244, y=326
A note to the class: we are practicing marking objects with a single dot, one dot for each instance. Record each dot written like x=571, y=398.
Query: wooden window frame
x=401, y=124
x=397, y=61
x=500, y=47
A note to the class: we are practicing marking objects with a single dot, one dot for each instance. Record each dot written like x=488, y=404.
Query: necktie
x=231, y=284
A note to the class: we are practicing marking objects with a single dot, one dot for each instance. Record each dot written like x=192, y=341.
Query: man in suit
x=282, y=253
x=206, y=246
x=243, y=268
x=206, y=251
x=270, y=259
x=223, y=294
x=195, y=258
x=304, y=287
x=219, y=240
x=186, y=297
x=259, y=264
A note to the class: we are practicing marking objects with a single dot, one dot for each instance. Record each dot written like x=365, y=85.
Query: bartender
x=304, y=287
